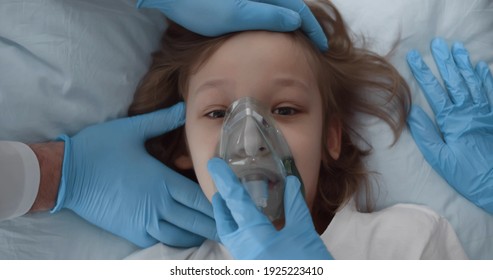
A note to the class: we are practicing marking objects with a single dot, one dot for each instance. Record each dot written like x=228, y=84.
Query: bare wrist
x=50, y=158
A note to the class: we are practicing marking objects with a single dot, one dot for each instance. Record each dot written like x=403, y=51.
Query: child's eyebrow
x=290, y=82
x=214, y=83
x=278, y=82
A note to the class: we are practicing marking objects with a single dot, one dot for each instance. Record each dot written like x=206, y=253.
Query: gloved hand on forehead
x=217, y=17
x=109, y=179
x=461, y=150
x=248, y=234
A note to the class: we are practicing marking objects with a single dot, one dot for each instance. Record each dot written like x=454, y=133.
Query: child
x=313, y=96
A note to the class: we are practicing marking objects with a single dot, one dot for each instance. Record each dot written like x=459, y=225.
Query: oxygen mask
x=257, y=152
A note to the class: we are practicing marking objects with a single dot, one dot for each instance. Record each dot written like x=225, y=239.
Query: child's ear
x=334, y=138
x=184, y=162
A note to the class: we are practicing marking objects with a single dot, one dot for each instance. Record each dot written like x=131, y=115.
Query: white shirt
x=19, y=179
x=402, y=231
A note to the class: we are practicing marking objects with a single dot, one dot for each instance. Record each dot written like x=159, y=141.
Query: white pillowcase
x=67, y=64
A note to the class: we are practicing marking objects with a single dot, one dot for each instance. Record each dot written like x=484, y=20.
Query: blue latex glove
x=463, y=153
x=248, y=234
x=109, y=179
x=217, y=17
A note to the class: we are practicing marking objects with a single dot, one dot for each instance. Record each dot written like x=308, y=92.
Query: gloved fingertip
x=482, y=69
x=319, y=39
x=323, y=44
x=413, y=57
x=461, y=55
x=311, y=27
x=161, y=121
x=417, y=65
x=480, y=66
x=484, y=73
x=440, y=49
x=458, y=46
x=176, y=112
x=438, y=42
x=290, y=20
x=179, y=109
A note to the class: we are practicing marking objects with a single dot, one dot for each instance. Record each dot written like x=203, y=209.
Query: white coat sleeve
x=19, y=179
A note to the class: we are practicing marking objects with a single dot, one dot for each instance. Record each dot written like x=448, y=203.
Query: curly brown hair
x=351, y=80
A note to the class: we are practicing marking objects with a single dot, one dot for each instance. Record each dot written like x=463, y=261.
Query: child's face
x=273, y=69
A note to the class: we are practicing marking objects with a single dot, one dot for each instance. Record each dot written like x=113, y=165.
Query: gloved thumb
x=483, y=71
x=267, y=16
x=225, y=222
x=296, y=210
x=159, y=122
x=427, y=138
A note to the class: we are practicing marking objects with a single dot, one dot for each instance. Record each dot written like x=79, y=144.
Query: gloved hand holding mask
x=461, y=151
x=260, y=213
x=217, y=17
x=248, y=234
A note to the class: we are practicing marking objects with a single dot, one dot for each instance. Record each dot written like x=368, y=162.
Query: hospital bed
x=68, y=64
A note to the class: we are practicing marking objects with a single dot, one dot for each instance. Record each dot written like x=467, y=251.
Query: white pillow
x=67, y=64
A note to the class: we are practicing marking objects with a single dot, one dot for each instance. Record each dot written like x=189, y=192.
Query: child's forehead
x=255, y=54
x=262, y=50
x=258, y=40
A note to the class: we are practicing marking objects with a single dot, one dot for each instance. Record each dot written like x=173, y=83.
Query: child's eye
x=216, y=114
x=285, y=111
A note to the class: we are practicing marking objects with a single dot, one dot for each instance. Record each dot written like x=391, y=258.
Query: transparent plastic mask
x=259, y=155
